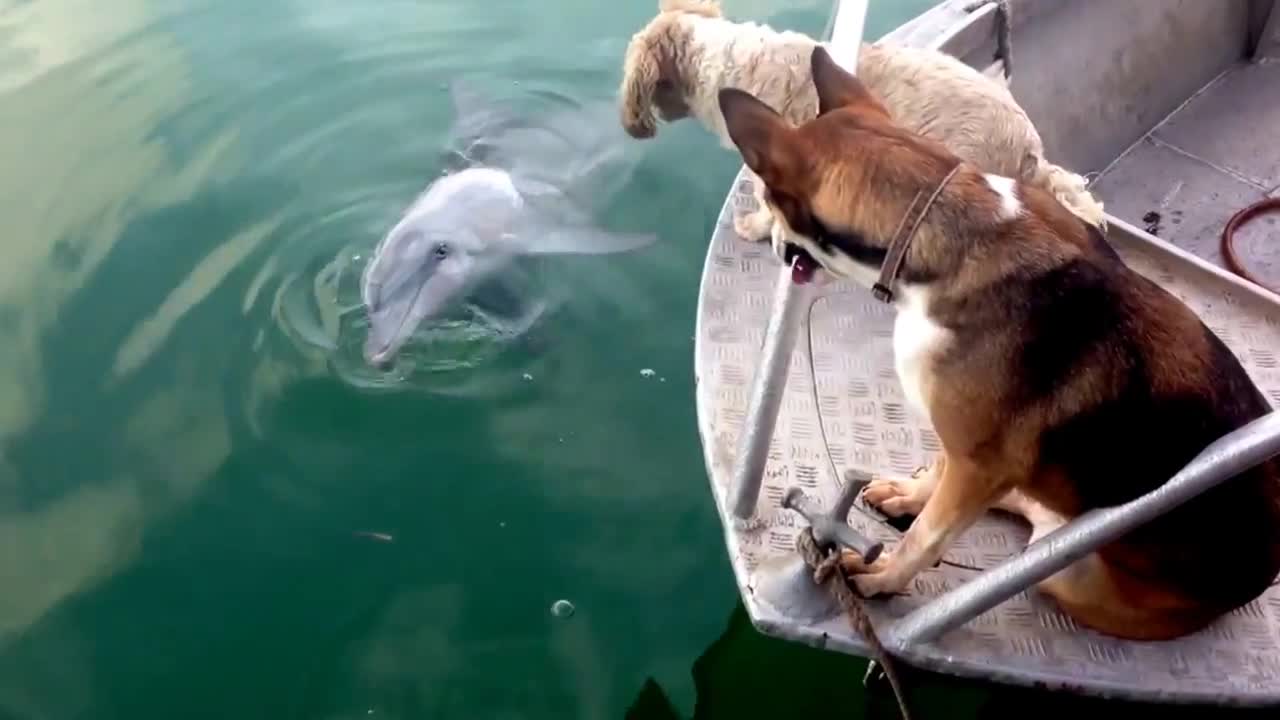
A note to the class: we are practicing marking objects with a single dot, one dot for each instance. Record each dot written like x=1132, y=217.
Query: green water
x=188, y=475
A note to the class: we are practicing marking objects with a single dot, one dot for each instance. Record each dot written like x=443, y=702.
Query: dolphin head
x=415, y=275
x=451, y=237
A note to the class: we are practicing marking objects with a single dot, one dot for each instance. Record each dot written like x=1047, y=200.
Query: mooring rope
x=825, y=572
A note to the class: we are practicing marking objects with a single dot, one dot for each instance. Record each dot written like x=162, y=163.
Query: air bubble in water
x=562, y=608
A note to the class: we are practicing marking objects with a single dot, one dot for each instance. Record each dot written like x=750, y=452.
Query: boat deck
x=842, y=410
x=1214, y=155
x=1171, y=189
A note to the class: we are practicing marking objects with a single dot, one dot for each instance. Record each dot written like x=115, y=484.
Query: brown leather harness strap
x=901, y=242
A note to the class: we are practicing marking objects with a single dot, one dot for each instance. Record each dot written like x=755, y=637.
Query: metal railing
x=1222, y=460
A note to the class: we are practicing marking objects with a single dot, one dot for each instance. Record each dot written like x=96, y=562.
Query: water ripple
x=319, y=310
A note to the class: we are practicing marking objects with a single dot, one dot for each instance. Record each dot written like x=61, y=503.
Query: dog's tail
x=1071, y=189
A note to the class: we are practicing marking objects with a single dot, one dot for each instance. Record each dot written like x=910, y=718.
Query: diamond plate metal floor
x=1217, y=154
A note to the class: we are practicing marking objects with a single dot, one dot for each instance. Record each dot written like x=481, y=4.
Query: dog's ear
x=640, y=76
x=763, y=138
x=838, y=87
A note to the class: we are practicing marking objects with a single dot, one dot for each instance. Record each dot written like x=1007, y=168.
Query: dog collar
x=901, y=241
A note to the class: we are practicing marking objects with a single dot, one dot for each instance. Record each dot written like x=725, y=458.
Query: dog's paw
x=872, y=579
x=896, y=498
x=880, y=583
x=754, y=225
x=853, y=564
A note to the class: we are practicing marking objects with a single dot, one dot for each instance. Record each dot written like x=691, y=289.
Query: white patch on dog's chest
x=917, y=341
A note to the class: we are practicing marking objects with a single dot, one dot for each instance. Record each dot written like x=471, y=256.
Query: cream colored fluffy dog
x=679, y=62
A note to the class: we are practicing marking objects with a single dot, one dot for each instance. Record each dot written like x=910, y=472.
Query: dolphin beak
x=378, y=354
x=396, y=311
x=385, y=336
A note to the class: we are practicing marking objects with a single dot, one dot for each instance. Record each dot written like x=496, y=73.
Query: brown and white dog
x=1057, y=379
x=675, y=66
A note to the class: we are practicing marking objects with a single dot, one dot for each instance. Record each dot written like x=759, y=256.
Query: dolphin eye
x=441, y=251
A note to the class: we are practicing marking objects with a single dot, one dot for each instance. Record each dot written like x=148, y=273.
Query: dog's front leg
x=963, y=493
x=754, y=225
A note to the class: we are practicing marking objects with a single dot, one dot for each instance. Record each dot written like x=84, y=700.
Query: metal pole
x=791, y=296
x=1222, y=460
x=848, y=27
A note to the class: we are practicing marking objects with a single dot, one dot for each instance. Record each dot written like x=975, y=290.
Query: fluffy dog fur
x=1057, y=379
x=676, y=65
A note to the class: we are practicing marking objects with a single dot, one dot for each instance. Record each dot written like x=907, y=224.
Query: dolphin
x=523, y=189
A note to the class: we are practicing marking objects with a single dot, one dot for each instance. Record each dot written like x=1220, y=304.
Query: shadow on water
x=745, y=675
